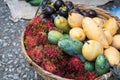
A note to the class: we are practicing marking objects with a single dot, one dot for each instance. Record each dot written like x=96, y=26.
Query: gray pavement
x=13, y=65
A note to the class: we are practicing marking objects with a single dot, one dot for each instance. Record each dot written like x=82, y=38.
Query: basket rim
x=46, y=73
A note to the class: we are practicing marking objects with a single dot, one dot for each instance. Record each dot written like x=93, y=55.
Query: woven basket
x=49, y=76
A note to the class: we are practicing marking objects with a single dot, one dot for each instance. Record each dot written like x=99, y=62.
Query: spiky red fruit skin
x=75, y=64
x=37, y=20
x=91, y=76
x=52, y=51
x=59, y=73
x=81, y=77
x=49, y=66
x=70, y=76
x=63, y=62
x=28, y=33
x=42, y=38
x=30, y=41
x=49, y=24
x=36, y=54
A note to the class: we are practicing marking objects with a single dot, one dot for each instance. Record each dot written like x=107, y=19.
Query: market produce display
x=73, y=43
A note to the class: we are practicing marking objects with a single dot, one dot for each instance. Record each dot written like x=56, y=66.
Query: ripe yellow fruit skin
x=94, y=32
x=111, y=25
x=75, y=20
x=91, y=49
x=77, y=33
x=113, y=55
x=108, y=36
x=116, y=41
x=99, y=21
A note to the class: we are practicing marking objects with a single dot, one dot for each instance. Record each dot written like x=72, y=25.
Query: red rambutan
x=49, y=24
x=30, y=42
x=29, y=27
x=69, y=76
x=36, y=54
x=28, y=33
x=42, y=38
x=59, y=73
x=63, y=62
x=37, y=20
x=91, y=76
x=52, y=51
x=81, y=77
x=76, y=65
x=49, y=66
x=39, y=30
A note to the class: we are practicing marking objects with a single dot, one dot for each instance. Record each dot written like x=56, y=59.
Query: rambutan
x=39, y=30
x=49, y=66
x=76, y=65
x=42, y=38
x=36, y=54
x=37, y=20
x=49, y=24
x=59, y=73
x=52, y=51
x=30, y=42
x=69, y=76
x=29, y=27
x=63, y=62
x=91, y=76
x=81, y=77
x=28, y=33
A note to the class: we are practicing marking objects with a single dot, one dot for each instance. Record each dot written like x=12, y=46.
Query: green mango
x=65, y=36
x=89, y=66
x=62, y=23
x=54, y=36
x=102, y=65
x=72, y=47
x=35, y=2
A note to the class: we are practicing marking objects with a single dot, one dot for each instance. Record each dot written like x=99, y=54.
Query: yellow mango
x=75, y=20
x=77, y=33
x=91, y=49
x=108, y=36
x=94, y=32
x=99, y=21
x=116, y=41
x=111, y=25
x=113, y=55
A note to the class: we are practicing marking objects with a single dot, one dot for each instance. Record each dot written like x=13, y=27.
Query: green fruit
x=61, y=23
x=65, y=36
x=54, y=36
x=72, y=47
x=89, y=66
x=102, y=65
x=35, y=2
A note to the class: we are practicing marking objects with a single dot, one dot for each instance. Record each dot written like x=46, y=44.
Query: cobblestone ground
x=13, y=65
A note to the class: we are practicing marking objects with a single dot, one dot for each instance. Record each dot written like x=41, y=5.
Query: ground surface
x=13, y=65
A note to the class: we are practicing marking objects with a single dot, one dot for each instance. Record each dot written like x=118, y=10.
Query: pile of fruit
x=73, y=43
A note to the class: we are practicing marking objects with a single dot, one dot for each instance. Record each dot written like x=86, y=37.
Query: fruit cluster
x=63, y=8
x=50, y=56
x=71, y=42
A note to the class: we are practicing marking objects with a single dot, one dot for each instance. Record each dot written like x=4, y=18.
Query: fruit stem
x=64, y=8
